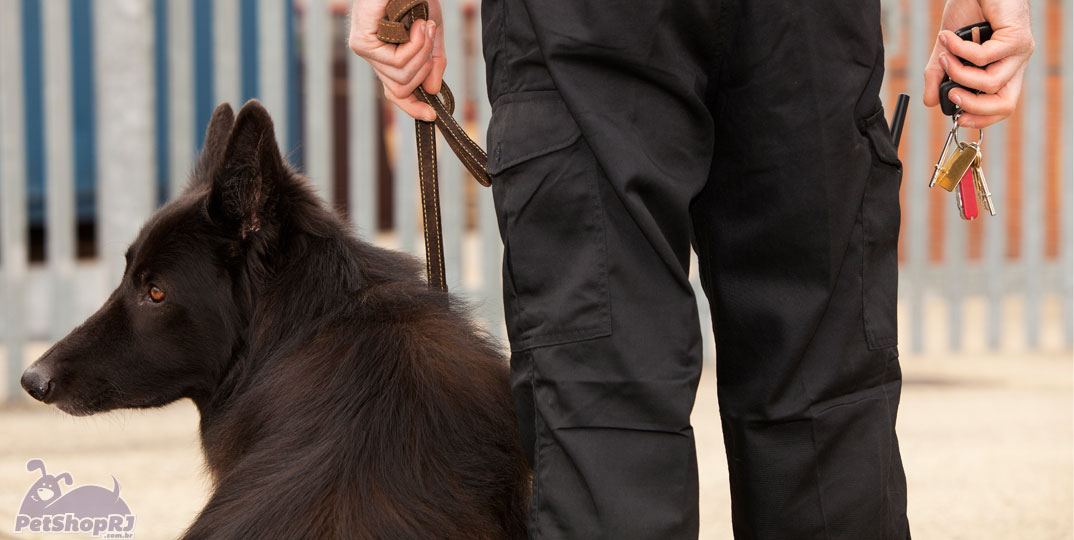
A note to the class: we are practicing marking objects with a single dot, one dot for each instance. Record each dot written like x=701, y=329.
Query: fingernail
x=431, y=28
x=956, y=98
x=943, y=39
x=943, y=61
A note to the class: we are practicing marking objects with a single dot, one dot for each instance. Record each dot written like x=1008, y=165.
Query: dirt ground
x=987, y=441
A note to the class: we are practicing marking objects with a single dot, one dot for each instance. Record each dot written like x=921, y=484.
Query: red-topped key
x=969, y=195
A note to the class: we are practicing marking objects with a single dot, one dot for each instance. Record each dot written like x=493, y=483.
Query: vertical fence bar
x=1066, y=221
x=292, y=90
x=1032, y=178
x=362, y=144
x=123, y=57
x=85, y=120
x=491, y=244
x=954, y=270
x=59, y=180
x=452, y=207
x=272, y=55
x=227, y=86
x=12, y=194
x=491, y=271
x=914, y=172
x=318, y=56
x=180, y=94
x=162, y=87
x=204, y=74
x=994, y=235
x=452, y=175
x=249, y=28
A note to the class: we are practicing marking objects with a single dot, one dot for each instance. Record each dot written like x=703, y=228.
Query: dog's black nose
x=37, y=384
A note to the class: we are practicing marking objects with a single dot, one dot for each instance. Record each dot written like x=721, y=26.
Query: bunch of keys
x=960, y=171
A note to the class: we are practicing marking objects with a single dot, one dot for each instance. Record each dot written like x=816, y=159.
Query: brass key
x=951, y=136
x=981, y=185
x=957, y=165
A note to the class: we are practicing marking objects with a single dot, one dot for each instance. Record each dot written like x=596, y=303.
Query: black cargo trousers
x=622, y=134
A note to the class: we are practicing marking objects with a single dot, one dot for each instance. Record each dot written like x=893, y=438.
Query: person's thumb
x=934, y=74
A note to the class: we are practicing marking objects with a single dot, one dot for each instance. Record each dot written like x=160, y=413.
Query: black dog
x=339, y=396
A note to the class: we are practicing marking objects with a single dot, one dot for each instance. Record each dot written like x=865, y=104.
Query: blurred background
x=103, y=106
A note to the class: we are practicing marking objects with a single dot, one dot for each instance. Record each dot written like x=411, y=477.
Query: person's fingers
x=421, y=75
x=419, y=61
x=975, y=121
x=432, y=83
x=1000, y=104
x=989, y=80
x=435, y=80
x=406, y=88
x=412, y=106
x=365, y=18
x=364, y=23
x=406, y=52
x=390, y=54
x=999, y=46
x=403, y=75
x=982, y=104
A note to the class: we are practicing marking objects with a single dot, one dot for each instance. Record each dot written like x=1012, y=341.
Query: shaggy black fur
x=339, y=396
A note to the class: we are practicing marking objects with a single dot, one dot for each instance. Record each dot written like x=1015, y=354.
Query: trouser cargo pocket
x=880, y=221
x=545, y=188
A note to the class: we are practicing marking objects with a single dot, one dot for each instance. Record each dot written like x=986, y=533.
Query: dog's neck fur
x=309, y=244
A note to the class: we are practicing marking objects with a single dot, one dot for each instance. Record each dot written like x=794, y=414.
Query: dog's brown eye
x=156, y=294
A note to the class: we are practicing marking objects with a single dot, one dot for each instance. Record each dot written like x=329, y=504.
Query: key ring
x=955, y=127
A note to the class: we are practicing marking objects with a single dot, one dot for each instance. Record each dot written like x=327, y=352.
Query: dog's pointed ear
x=216, y=136
x=245, y=179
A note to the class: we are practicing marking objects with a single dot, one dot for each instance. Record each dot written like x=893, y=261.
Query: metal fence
x=103, y=104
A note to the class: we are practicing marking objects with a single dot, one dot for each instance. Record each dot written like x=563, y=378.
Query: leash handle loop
x=395, y=28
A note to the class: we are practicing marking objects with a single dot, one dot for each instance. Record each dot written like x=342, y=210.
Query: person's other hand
x=401, y=68
x=1005, y=54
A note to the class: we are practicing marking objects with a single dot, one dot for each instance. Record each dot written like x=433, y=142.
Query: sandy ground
x=987, y=440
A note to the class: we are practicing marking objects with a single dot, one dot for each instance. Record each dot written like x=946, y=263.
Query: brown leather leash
x=395, y=28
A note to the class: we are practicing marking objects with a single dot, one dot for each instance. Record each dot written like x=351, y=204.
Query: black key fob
x=966, y=33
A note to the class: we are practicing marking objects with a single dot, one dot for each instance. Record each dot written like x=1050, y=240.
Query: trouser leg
x=797, y=233
x=604, y=418
x=594, y=159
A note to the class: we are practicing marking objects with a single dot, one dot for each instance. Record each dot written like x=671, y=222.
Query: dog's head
x=174, y=323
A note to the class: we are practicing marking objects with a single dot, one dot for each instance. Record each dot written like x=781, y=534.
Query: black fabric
x=752, y=129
